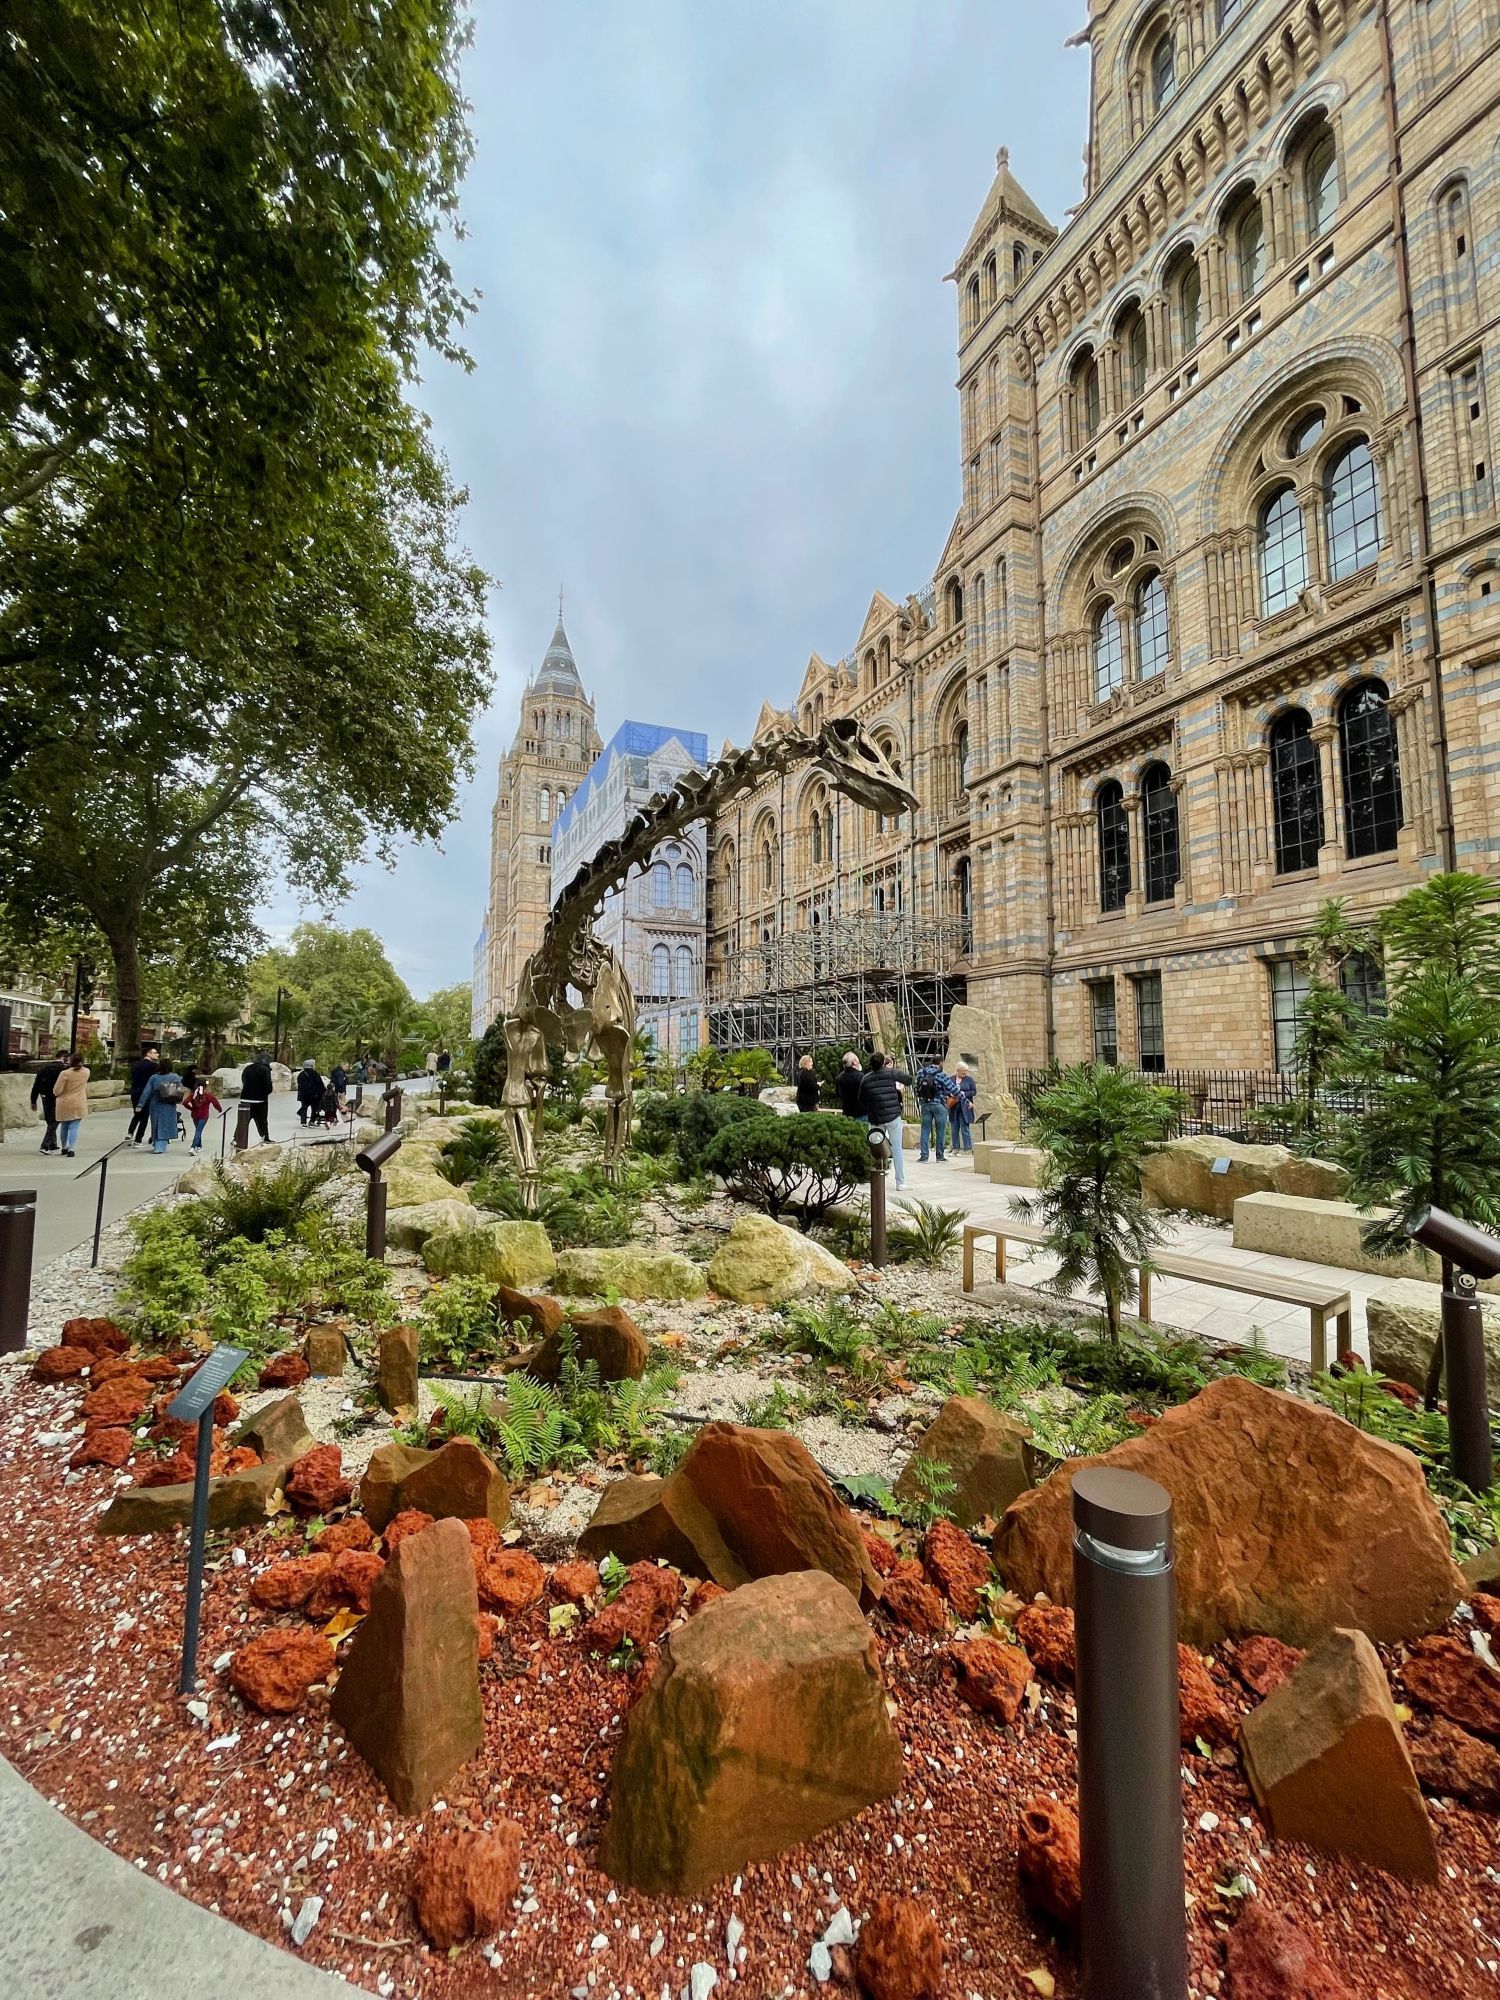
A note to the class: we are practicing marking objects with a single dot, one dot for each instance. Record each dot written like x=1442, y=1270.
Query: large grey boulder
x=1182, y=1175
x=1403, y=1322
x=410, y=1228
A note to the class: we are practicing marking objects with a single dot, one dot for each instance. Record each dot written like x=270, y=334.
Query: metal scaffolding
x=845, y=982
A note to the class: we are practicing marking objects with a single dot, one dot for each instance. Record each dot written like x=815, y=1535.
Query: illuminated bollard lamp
x=1468, y=1255
x=1133, y=1927
x=370, y=1162
x=880, y=1154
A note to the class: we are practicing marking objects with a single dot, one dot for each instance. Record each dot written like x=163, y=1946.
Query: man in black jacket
x=846, y=1085
x=309, y=1093
x=255, y=1092
x=43, y=1087
x=141, y=1072
x=880, y=1101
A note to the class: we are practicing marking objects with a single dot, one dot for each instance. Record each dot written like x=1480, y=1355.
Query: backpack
x=169, y=1090
x=929, y=1083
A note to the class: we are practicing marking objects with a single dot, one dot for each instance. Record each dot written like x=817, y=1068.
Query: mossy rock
x=634, y=1274
x=410, y=1228
x=511, y=1253
x=413, y=1182
x=763, y=1263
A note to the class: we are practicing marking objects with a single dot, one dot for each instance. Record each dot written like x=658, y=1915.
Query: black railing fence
x=1264, y=1106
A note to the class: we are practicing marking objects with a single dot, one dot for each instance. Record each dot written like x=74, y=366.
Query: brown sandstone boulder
x=530, y=1316
x=464, y=1883
x=981, y=1448
x=1325, y=1758
x=608, y=1337
x=900, y=1951
x=235, y=1500
x=396, y=1368
x=1048, y=1858
x=276, y=1430
x=380, y=1482
x=62, y=1364
x=326, y=1351
x=1269, y=1958
x=408, y=1695
x=646, y=1519
x=1289, y=1521
x=991, y=1677
x=316, y=1484
x=274, y=1671
x=455, y=1482
x=959, y=1568
x=764, y=1722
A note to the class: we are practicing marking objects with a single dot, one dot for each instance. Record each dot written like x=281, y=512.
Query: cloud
x=713, y=391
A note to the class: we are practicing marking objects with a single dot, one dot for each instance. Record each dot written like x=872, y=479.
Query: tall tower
x=554, y=744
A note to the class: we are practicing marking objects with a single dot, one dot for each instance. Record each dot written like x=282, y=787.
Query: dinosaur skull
x=859, y=769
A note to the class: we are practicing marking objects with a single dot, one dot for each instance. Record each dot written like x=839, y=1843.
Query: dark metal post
x=1133, y=1928
x=880, y=1152
x=442, y=1097
x=99, y=1210
x=370, y=1161
x=197, y=1537
x=77, y=996
x=242, y=1126
x=392, y=1107
x=223, y=1132
x=276, y=1031
x=17, y=1236
x=1469, y=1450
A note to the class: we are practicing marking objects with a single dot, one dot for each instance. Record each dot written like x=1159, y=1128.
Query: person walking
x=71, y=1097
x=338, y=1083
x=201, y=1104
x=162, y=1099
x=141, y=1072
x=44, y=1099
x=432, y=1056
x=444, y=1062
x=932, y=1107
x=807, y=1085
x=846, y=1086
x=256, y=1084
x=961, y=1109
x=309, y=1093
x=880, y=1102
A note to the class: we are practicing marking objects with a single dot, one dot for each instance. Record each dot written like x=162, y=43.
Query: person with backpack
x=161, y=1101
x=44, y=1099
x=309, y=1093
x=201, y=1104
x=933, y=1091
x=961, y=1109
x=72, y=1100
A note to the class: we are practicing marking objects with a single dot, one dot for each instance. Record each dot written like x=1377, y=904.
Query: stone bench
x=1015, y=1166
x=1326, y=1232
x=1327, y=1303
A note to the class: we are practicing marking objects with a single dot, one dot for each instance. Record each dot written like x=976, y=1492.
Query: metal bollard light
x=17, y=1237
x=392, y=1108
x=370, y=1162
x=880, y=1153
x=1133, y=1928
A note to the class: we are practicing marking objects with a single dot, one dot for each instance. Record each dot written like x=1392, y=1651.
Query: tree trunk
x=124, y=949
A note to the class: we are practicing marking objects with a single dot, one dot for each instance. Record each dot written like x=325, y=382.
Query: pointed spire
x=559, y=671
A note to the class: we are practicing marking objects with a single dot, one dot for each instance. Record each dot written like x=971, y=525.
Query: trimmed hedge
x=802, y=1165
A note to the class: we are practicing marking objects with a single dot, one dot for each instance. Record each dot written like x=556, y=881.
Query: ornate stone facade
x=1216, y=634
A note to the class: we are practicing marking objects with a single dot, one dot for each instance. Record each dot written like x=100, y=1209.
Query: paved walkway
x=1174, y=1301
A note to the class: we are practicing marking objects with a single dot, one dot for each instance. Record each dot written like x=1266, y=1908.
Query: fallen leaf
x=1403, y=1713
x=561, y=1618
x=342, y=1623
x=1042, y=1980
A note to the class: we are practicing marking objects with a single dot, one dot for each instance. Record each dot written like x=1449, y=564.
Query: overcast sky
x=714, y=358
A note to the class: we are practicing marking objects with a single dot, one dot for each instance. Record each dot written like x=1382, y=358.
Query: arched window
x=955, y=600
x=1151, y=634
x=1250, y=249
x=1320, y=180
x=1351, y=510
x=767, y=864
x=544, y=806
x=872, y=674
x=730, y=878
x=1114, y=847
x=1296, y=793
x=1163, y=854
x=973, y=301
x=1283, y=552
x=1085, y=380
x=1130, y=332
x=661, y=972
x=661, y=886
x=817, y=837
x=883, y=672
x=962, y=897
x=1017, y=264
x=1002, y=604
x=562, y=798
x=1189, y=304
x=828, y=832
x=683, y=987
x=991, y=280
x=1163, y=72
x=685, y=896
x=1371, y=770
x=961, y=755
x=980, y=614
x=1109, y=654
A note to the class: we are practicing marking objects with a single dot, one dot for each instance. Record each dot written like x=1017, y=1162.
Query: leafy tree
x=801, y=1166
x=489, y=1064
x=1326, y=1021
x=444, y=1021
x=1097, y=1126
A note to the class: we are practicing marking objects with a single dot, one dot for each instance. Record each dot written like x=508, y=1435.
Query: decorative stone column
x=1135, y=895
x=1331, y=853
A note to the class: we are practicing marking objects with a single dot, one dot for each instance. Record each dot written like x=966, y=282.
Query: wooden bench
x=1325, y=1301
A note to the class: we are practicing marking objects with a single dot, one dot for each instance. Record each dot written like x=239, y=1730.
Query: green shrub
x=276, y=1199
x=164, y=1279
x=538, y=1426
x=476, y=1149
x=800, y=1166
x=489, y=1064
x=457, y=1326
x=931, y=1231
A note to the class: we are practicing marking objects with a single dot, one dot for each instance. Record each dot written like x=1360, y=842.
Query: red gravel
x=256, y=1813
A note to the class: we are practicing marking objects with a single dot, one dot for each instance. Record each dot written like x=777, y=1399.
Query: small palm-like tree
x=208, y=1021
x=1097, y=1126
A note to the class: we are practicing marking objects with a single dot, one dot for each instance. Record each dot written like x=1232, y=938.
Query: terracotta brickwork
x=1216, y=634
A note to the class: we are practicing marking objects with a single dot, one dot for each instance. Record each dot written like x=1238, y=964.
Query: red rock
x=957, y=1566
x=410, y=1521
x=573, y=1582
x=174, y=1431
x=510, y=1581
x=100, y=1336
x=102, y=1446
x=647, y=1604
x=157, y=1368
x=1047, y=1857
x=899, y=1955
x=118, y=1402
x=1329, y=1527
x=274, y=1671
x=1046, y=1631
x=1403, y=1391
x=61, y=1364
x=1269, y=1958
x=1455, y=1765
x=348, y=1584
x=915, y=1605
x=316, y=1483
x=1262, y=1662
x=408, y=1695
x=1444, y=1674
x=705, y=1592
x=286, y=1586
x=178, y=1470
x=106, y=1367
x=226, y=1410
x=465, y=1882
x=353, y=1533
x=908, y=1566
x=763, y=1723
x=1486, y=1610
x=991, y=1677
x=241, y=1458
x=286, y=1370
x=488, y=1627
x=1200, y=1706
x=879, y=1550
